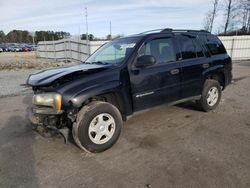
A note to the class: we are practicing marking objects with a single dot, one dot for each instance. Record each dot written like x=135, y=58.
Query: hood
x=46, y=77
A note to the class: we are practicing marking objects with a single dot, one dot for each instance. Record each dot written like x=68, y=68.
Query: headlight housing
x=53, y=100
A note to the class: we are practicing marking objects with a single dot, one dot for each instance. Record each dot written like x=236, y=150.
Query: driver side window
x=162, y=49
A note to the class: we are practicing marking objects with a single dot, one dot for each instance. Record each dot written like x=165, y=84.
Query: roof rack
x=151, y=31
x=170, y=30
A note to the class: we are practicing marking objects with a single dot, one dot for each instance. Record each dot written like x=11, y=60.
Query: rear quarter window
x=213, y=45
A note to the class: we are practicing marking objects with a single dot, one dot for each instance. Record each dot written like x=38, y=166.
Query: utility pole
x=87, y=35
x=110, y=30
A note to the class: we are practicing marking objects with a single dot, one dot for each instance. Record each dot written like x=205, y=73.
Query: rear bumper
x=229, y=78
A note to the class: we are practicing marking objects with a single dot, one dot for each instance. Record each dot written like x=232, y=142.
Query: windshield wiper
x=86, y=63
x=98, y=63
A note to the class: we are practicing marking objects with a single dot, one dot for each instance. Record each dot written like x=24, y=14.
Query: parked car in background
x=14, y=49
x=17, y=47
x=4, y=47
x=1, y=50
x=33, y=47
x=26, y=48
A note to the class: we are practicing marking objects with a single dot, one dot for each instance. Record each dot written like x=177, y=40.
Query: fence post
x=232, y=48
x=70, y=47
x=78, y=48
x=65, y=50
x=54, y=46
x=46, y=48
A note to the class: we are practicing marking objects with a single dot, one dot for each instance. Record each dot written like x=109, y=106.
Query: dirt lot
x=16, y=67
x=26, y=60
x=174, y=146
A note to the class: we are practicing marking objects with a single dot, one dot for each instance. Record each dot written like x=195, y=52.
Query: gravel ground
x=15, y=69
x=167, y=146
x=11, y=82
x=26, y=60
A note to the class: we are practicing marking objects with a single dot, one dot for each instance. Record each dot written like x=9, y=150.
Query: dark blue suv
x=128, y=74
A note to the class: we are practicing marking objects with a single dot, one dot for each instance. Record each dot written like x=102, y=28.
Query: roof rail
x=168, y=30
x=151, y=31
x=189, y=30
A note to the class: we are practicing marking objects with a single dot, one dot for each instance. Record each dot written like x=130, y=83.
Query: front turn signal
x=58, y=102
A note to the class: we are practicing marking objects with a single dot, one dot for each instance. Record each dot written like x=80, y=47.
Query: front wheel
x=211, y=95
x=98, y=126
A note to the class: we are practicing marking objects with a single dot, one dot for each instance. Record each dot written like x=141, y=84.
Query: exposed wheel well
x=113, y=98
x=220, y=77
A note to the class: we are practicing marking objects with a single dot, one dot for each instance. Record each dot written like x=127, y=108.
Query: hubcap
x=212, y=96
x=101, y=128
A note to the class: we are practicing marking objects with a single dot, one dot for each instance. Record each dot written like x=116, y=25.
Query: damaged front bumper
x=48, y=122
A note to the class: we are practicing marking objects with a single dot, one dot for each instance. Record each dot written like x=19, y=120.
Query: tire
x=98, y=127
x=211, y=90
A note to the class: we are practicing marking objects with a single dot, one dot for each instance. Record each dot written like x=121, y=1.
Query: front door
x=159, y=83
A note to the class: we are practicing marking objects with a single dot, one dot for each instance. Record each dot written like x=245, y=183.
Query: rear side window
x=213, y=44
x=198, y=48
x=187, y=47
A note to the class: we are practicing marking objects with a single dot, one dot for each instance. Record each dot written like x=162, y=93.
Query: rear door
x=193, y=63
x=159, y=83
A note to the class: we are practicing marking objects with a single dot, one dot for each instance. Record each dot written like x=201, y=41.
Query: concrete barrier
x=67, y=49
x=238, y=47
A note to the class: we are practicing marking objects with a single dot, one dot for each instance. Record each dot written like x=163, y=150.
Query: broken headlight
x=48, y=99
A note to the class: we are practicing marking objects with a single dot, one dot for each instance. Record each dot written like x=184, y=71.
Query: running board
x=197, y=97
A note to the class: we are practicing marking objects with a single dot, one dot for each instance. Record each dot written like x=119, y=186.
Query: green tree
x=18, y=36
x=109, y=37
x=90, y=36
x=2, y=36
x=62, y=35
x=51, y=35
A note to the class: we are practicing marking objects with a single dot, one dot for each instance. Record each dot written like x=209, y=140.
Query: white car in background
x=1, y=50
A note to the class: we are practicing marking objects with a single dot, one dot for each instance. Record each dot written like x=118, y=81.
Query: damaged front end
x=52, y=111
x=47, y=117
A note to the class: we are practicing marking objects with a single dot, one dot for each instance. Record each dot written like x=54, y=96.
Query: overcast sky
x=127, y=17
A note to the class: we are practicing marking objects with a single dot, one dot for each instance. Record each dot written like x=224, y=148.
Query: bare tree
x=207, y=21
x=231, y=12
x=245, y=13
x=210, y=16
x=214, y=13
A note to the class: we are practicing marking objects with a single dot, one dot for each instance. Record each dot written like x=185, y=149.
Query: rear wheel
x=98, y=127
x=211, y=95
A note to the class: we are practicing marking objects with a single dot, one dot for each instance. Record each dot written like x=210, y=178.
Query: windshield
x=114, y=52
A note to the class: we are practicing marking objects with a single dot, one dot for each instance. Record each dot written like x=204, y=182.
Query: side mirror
x=145, y=61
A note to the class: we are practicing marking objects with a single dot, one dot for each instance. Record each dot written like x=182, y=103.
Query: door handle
x=174, y=71
x=205, y=65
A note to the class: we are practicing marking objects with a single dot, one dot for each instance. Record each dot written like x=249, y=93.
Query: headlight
x=48, y=99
